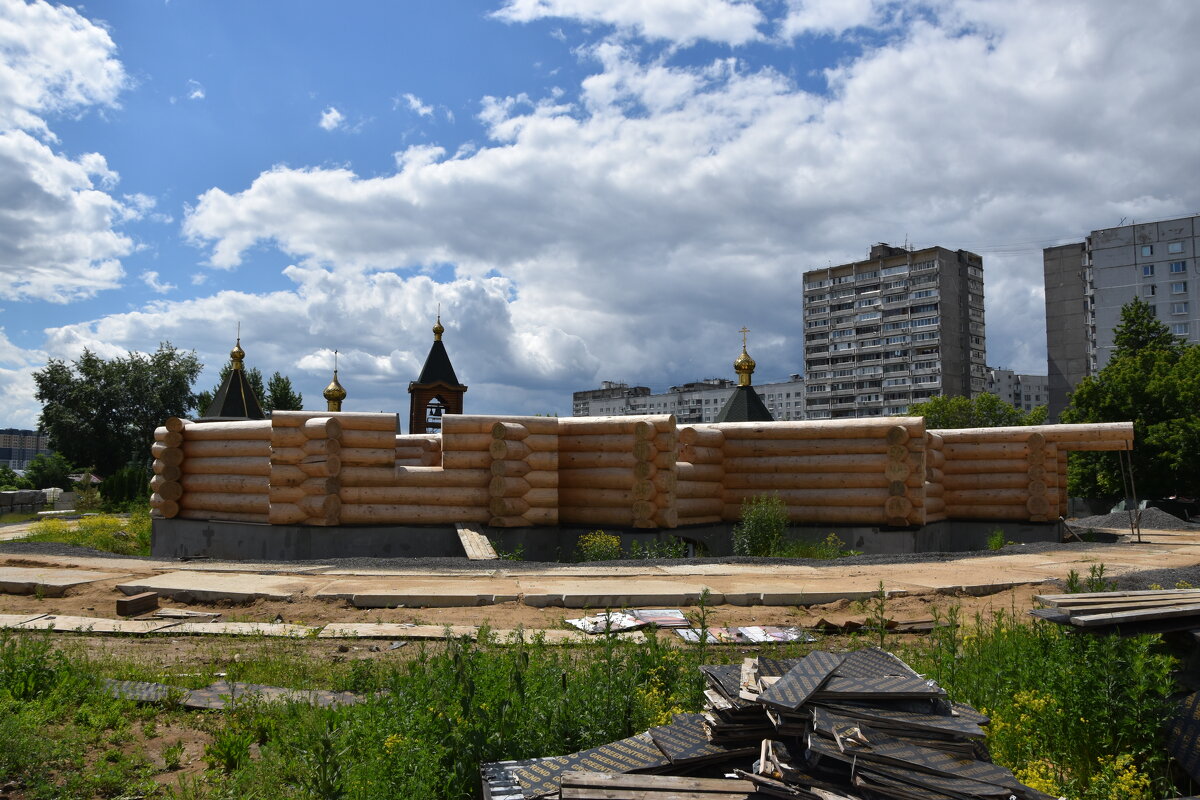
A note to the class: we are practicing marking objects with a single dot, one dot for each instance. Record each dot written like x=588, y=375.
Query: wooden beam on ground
x=476, y=545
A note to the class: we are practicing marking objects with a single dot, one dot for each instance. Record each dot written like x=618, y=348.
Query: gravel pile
x=1152, y=518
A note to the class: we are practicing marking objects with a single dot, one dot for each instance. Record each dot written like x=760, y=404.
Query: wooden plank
x=1089, y=620
x=476, y=545
x=1125, y=605
x=1104, y=597
x=659, y=783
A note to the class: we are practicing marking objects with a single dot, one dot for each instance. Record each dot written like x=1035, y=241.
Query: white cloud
x=57, y=237
x=150, y=278
x=195, y=90
x=331, y=119
x=731, y=22
x=833, y=17
x=415, y=104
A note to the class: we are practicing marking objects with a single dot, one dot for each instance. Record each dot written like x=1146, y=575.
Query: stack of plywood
x=852, y=471
x=617, y=471
x=700, y=474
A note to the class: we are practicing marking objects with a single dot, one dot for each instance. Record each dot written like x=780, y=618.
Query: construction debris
x=829, y=726
x=1127, y=613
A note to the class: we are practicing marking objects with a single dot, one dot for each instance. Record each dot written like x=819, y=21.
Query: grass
x=128, y=536
x=11, y=518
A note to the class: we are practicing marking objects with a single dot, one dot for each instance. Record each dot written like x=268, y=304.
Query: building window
x=1179, y=328
x=1179, y=308
x=1178, y=266
x=1175, y=247
x=1147, y=270
x=1147, y=249
x=1179, y=287
x=1148, y=290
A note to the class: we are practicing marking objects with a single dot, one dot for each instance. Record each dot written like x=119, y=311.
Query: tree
x=281, y=396
x=48, y=471
x=104, y=412
x=9, y=479
x=982, y=411
x=1153, y=380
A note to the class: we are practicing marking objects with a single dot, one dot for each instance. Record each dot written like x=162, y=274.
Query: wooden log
x=666, y=442
x=864, y=498
x=545, y=462
x=1036, y=441
x=411, y=454
x=415, y=495
x=698, y=489
x=897, y=452
x=542, y=479
x=699, y=472
x=508, y=487
x=644, y=431
x=325, y=508
x=381, y=514
x=934, y=505
x=466, y=424
x=897, y=508
x=287, y=475
x=699, y=454
x=845, y=463
x=168, y=472
x=1064, y=433
x=507, y=506
x=247, y=429
x=286, y=513
x=1038, y=488
x=169, y=455
x=510, y=469
x=598, y=498
x=959, y=450
x=899, y=488
x=705, y=437
x=459, y=459
x=223, y=516
x=512, y=431
x=737, y=448
x=233, y=484
x=876, y=427
x=576, y=426
x=541, y=442
x=643, y=490
x=321, y=428
x=897, y=434
x=542, y=516
x=367, y=457
x=216, y=448
x=599, y=478
x=574, y=461
x=979, y=466
x=167, y=490
x=326, y=447
x=769, y=481
x=934, y=490
x=508, y=522
x=484, y=422
x=225, y=501
x=699, y=506
x=473, y=442
x=422, y=441
x=850, y=515
x=176, y=424
x=607, y=443
x=321, y=466
x=1035, y=457
x=350, y=420
x=665, y=480
x=666, y=518
x=897, y=470
x=229, y=465
x=935, y=458
x=285, y=494
x=986, y=512
x=541, y=498
x=1038, y=506
x=298, y=455
x=986, y=480
x=587, y=515
x=437, y=477
x=166, y=508
x=168, y=438
x=504, y=450
x=987, y=497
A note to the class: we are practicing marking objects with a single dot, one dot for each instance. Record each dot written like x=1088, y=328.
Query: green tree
x=9, y=479
x=104, y=412
x=1153, y=380
x=47, y=471
x=281, y=396
x=982, y=411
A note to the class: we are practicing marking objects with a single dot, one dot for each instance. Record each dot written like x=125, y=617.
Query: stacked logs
x=854, y=471
x=524, y=486
x=224, y=471
x=418, y=450
x=700, y=475
x=165, y=486
x=306, y=465
x=935, y=478
x=1019, y=473
x=618, y=471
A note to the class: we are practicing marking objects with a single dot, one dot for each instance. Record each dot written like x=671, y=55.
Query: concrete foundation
x=183, y=538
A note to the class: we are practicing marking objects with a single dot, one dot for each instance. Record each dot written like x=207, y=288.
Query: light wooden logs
x=877, y=428
x=380, y=514
x=466, y=459
x=576, y=426
x=850, y=498
x=224, y=501
x=740, y=448
x=224, y=516
x=811, y=480
x=688, y=507
x=168, y=472
x=824, y=464
x=367, y=456
x=483, y=423
x=415, y=495
x=985, y=466
x=165, y=508
x=1073, y=437
x=983, y=480
x=233, y=484
x=702, y=436
x=168, y=467
x=168, y=455
x=210, y=448
x=164, y=489
x=349, y=420
x=229, y=465
x=849, y=514
x=230, y=431
x=168, y=438
x=699, y=472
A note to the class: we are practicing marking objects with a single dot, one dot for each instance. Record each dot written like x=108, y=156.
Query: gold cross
x=744, y=331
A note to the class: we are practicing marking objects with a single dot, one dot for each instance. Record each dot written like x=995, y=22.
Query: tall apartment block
x=1088, y=282
x=696, y=402
x=19, y=447
x=896, y=329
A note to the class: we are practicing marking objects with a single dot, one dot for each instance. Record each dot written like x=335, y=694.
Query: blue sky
x=590, y=189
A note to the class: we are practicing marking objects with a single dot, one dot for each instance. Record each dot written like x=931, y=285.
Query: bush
x=598, y=546
x=760, y=533
x=124, y=536
x=130, y=484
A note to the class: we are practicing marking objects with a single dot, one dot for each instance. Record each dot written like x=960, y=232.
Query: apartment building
x=699, y=401
x=18, y=447
x=1088, y=282
x=1025, y=392
x=896, y=329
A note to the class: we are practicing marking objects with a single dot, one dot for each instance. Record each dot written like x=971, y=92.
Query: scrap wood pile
x=1127, y=613
x=854, y=726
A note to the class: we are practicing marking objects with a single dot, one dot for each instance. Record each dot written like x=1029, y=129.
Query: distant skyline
x=591, y=189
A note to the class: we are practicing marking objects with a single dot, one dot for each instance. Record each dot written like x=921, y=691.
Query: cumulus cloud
x=57, y=221
x=150, y=278
x=415, y=104
x=731, y=22
x=832, y=17
x=331, y=119
x=195, y=90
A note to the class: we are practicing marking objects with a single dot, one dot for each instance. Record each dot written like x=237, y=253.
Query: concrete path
x=48, y=581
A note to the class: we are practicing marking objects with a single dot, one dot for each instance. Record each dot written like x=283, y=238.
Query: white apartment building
x=700, y=401
x=1025, y=392
x=895, y=329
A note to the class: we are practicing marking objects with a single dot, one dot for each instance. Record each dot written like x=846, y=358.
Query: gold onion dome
x=334, y=390
x=744, y=365
x=237, y=354
x=438, y=330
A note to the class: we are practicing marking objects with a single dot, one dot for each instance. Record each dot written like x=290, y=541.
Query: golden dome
x=334, y=394
x=744, y=364
x=237, y=354
x=438, y=330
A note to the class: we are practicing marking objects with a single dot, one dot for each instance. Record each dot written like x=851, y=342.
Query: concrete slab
x=614, y=593
x=48, y=581
x=15, y=620
x=240, y=629
x=189, y=586
x=394, y=630
x=395, y=592
x=67, y=624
